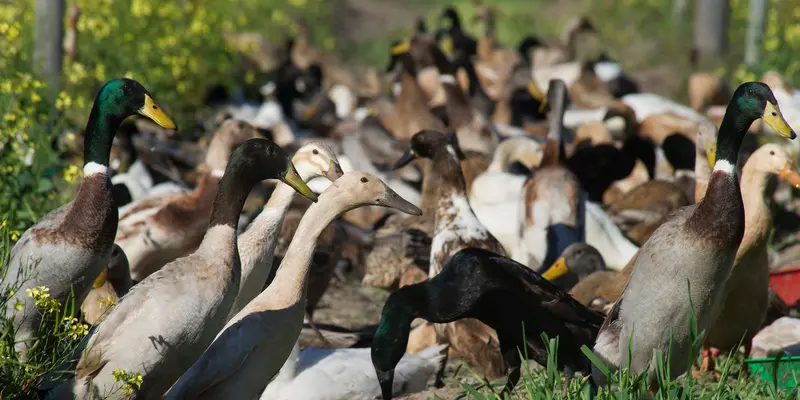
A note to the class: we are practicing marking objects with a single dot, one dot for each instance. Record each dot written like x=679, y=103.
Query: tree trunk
x=711, y=27
x=49, y=40
x=755, y=31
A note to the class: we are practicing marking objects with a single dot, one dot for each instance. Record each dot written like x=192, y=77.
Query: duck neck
x=448, y=179
x=759, y=188
x=292, y=276
x=261, y=235
x=430, y=190
x=731, y=133
x=99, y=134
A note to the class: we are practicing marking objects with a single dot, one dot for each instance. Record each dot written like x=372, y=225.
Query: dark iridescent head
x=756, y=100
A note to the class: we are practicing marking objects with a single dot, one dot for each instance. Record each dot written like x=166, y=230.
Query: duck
x=173, y=314
x=746, y=293
x=70, y=246
x=497, y=282
x=495, y=193
x=563, y=50
x=250, y=350
x=411, y=113
x=257, y=243
x=158, y=229
x=692, y=251
x=113, y=283
x=551, y=203
x=494, y=63
x=576, y=263
x=463, y=44
x=332, y=374
x=456, y=227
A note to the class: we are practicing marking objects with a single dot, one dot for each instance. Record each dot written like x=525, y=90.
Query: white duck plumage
x=333, y=374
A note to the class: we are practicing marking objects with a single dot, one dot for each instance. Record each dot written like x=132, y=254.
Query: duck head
x=390, y=341
x=259, y=159
x=772, y=159
x=427, y=144
x=450, y=17
x=231, y=134
x=756, y=100
x=578, y=261
x=316, y=159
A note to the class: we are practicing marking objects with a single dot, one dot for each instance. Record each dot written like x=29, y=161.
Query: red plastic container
x=786, y=283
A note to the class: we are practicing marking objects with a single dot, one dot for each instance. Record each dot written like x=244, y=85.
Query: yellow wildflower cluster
x=41, y=298
x=74, y=328
x=130, y=381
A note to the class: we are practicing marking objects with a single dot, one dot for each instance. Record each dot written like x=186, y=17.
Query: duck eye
x=772, y=152
x=774, y=114
x=364, y=179
x=155, y=107
x=315, y=151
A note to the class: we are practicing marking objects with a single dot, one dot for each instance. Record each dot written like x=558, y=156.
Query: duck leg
x=316, y=330
x=513, y=363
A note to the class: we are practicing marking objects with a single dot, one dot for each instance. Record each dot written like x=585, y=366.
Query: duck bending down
x=69, y=247
x=334, y=374
x=499, y=292
x=683, y=267
x=255, y=343
x=258, y=242
x=158, y=229
x=113, y=283
x=166, y=321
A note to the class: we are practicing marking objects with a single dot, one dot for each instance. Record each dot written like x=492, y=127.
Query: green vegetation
x=176, y=48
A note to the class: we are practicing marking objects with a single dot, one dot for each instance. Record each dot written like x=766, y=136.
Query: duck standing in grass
x=166, y=321
x=456, y=227
x=502, y=294
x=67, y=249
x=681, y=270
x=256, y=342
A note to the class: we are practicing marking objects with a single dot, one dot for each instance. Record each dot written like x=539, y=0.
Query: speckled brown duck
x=688, y=258
x=455, y=228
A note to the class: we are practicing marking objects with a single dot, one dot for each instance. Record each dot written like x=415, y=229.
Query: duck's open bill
x=773, y=117
x=789, y=172
x=293, y=179
x=557, y=270
x=154, y=112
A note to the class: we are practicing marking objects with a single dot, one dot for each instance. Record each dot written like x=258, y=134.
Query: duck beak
x=790, y=174
x=538, y=95
x=334, y=171
x=101, y=279
x=154, y=112
x=773, y=117
x=557, y=270
x=293, y=179
x=405, y=159
x=393, y=200
x=401, y=48
x=711, y=152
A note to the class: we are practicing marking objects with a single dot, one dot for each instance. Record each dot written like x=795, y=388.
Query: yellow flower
x=71, y=173
x=35, y=98
x=15, y=236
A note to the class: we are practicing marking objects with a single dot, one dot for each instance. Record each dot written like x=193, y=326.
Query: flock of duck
x=520, y=192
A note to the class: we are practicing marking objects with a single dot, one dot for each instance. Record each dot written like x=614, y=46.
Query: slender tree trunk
x=711, y=27
x=49, y=40
x=755, y=31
